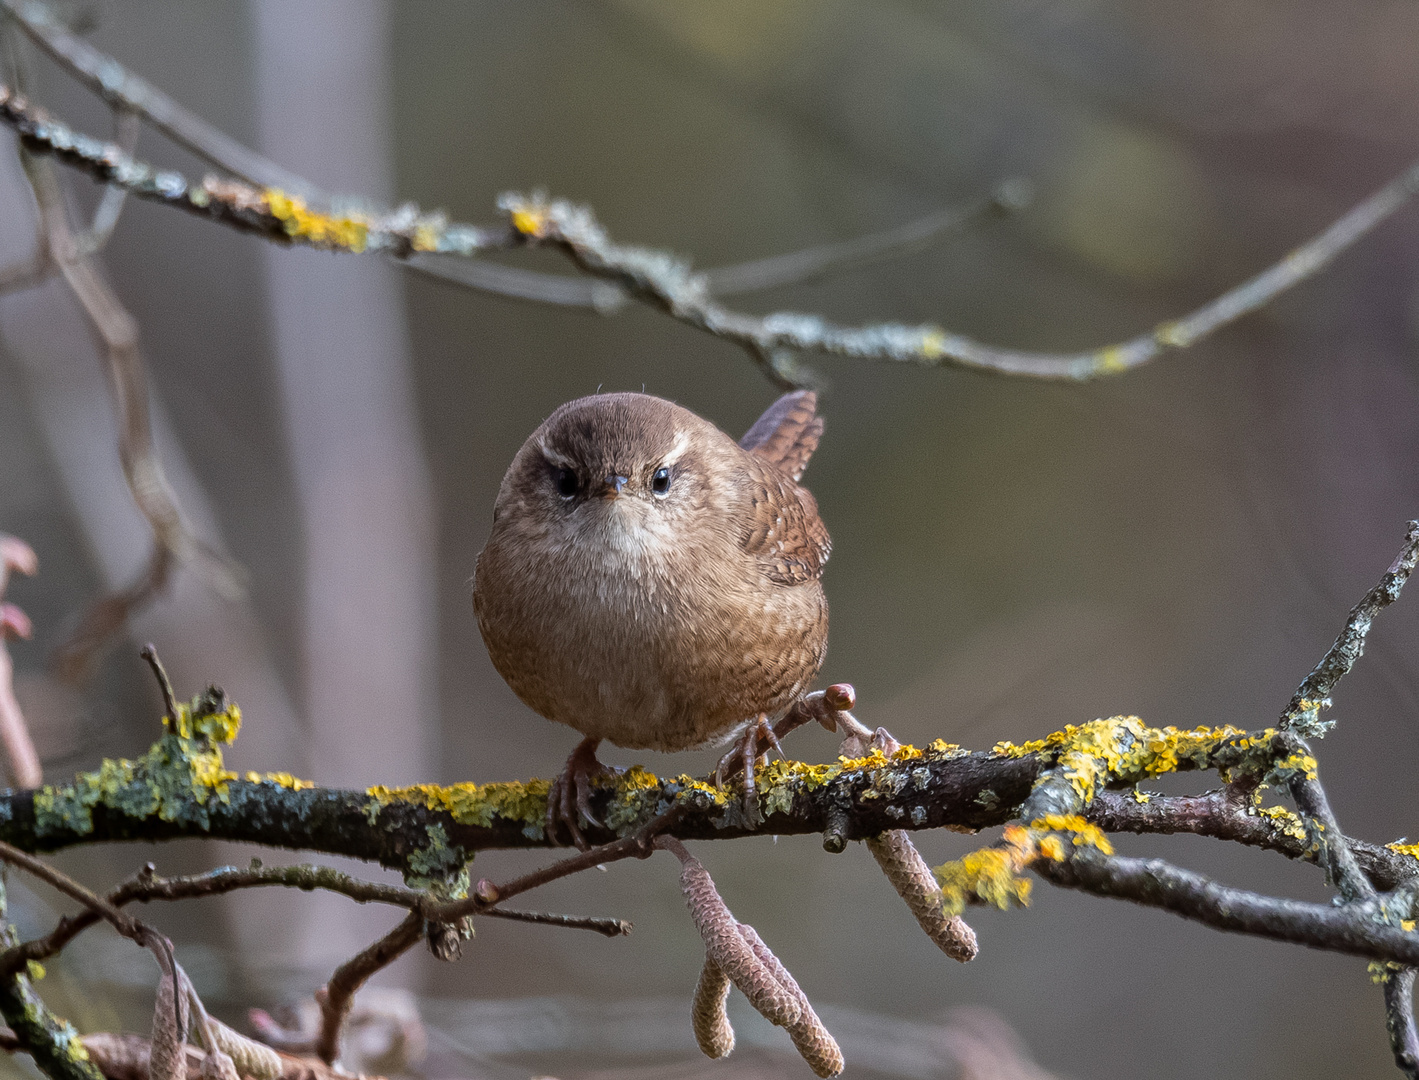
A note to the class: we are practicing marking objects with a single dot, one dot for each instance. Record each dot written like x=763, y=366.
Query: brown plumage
x=652, y=582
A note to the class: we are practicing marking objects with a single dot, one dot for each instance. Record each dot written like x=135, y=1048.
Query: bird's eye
x=566, y=481
x=660, y=481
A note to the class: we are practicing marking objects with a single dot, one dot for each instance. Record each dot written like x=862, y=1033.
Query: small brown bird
x=652, y=582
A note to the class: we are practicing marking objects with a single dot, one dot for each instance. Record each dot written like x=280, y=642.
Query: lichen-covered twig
x=1220, y=814
x=1302, y=714
x=1350, y=929
x=339, y=994
x=664, y=281
x=20, y=754
x=669, y=284
x=132, y=96
x=1325, y=835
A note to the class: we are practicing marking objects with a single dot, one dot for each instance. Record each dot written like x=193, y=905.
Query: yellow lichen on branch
x=476, y=804
x=315, y=228
x=1122, y=749
x=992, y=875
x=995, y=875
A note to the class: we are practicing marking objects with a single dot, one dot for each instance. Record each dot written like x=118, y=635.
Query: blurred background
x=1181, y=543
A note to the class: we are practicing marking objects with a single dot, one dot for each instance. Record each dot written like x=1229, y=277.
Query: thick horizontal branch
x=394, y=828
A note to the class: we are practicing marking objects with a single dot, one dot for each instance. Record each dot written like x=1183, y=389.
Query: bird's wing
x=784, y=531
x=788, y=432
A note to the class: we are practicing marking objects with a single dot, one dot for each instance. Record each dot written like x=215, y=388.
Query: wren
x=651, y=582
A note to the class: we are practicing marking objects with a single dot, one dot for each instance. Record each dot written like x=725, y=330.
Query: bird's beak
x=613, y=484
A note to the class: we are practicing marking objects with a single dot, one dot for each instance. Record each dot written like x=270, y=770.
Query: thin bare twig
x=800, y=267
x=17, y=956
x=149, y=653
x=339, y=994
x=1352, y=929
x=172, y=538
x=604, y=926
x=127, y=127
x=638, y=846
x=1302, y=714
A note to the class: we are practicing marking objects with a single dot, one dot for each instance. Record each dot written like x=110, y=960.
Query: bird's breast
x=630, y=633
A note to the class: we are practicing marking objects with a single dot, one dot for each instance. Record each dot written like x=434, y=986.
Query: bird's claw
x=570, y=795
x=746, y=753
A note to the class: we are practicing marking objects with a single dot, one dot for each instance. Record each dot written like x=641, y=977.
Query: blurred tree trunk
x=341, y=354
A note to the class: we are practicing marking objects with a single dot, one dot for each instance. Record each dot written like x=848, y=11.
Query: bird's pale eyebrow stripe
x=552, y=456
x=682, y=443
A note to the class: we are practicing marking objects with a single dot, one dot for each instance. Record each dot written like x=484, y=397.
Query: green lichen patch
x=174, y=781
x=437, y=862
x=636, y=799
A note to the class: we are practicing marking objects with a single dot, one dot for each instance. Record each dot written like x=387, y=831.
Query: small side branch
x=1302, y=714
x=1351, y=929
x=339, y=993
x=1399, y=1020
x=1222, y=815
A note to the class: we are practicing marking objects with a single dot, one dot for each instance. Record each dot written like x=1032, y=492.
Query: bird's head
x=627, y=470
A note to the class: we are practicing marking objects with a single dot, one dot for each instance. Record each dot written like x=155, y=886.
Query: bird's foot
x=749, y=750
x=832, y=708
x=570, y=795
